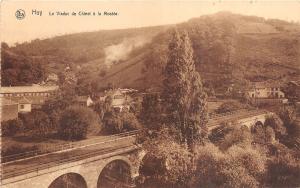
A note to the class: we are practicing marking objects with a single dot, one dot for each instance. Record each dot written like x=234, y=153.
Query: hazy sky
x=130, y=14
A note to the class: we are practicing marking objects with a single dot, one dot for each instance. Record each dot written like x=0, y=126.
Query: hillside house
x=120, y=100
x=24, y=105
x=9, y=109
x=265, y=90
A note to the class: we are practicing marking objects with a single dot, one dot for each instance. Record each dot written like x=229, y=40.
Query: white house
x=265, y=90
x=24, y=105
x=120, y=100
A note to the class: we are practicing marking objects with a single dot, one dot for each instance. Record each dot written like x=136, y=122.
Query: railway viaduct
x=90, y=164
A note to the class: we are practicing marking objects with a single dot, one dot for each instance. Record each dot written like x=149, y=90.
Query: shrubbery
x=227, y=135
x=230, y=106
x=236, y=167
x=37, y=124
x=77, y=122
x=284, y=170
x=117, y=122
x=166, y=164
x=11, y=127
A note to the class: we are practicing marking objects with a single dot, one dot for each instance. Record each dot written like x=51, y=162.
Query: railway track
x=66, y=147
x=12, y=170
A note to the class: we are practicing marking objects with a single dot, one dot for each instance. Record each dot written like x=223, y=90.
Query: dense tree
x=167, y=163
x=288, y=116
x=237, y=167
x=240, y=136
x=284, y=170
x=112, y=122
x=18, y=69
x=277, y=125
x=229, y=134
x=11, y=127
x=102, y=107
x=42, y=125
x=130, y=122
x=28, y=121
x=117, y=122
x=151, y=111
x=183, y=95
x=77, y=122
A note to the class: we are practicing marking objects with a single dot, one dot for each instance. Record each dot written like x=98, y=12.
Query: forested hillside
x=228, y=48
x=224, y=52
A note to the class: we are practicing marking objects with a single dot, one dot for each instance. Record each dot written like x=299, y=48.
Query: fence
x=67, y=146
x=233, y=116
x=36, y=168
x=249, y=112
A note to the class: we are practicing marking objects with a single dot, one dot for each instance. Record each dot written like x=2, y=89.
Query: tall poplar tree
x=184, y=98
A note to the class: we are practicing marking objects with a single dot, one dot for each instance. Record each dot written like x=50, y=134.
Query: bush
x=229, y=135
x=77, y=122
x=238, y=167
x=112, y=122
x=42, y=126
x=117, y=122
x=166, y=164
x=130, y=122
x=277, y=125
x=11, y=127
x=28, y=121
x=230, y=106
x=284, y=171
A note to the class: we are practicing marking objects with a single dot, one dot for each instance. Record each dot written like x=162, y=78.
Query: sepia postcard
x=150, y=94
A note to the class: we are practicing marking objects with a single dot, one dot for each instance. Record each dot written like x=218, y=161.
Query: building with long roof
x=35, y=95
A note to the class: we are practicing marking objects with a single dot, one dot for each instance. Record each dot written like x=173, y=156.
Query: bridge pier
x=91, y=178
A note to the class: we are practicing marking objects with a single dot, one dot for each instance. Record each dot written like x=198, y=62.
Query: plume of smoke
x=119, y=52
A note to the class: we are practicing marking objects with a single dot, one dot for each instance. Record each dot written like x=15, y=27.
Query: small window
x=22, y=106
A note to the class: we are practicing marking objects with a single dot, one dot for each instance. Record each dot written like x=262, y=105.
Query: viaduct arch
x=87, y=171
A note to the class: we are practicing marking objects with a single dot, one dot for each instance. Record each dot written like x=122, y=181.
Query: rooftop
x=265, y=85
x=27, y=89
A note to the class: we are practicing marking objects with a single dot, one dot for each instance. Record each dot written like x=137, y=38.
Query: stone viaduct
x=90, y=168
